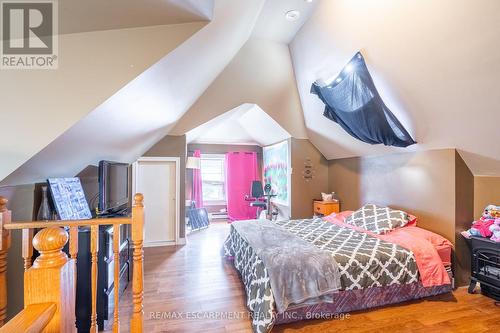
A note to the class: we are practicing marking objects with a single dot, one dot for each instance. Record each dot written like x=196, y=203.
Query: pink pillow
x=340, y=216
x=435, y=239
x=413, y=221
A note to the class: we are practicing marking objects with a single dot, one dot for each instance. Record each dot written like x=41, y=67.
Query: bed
x=373, y=271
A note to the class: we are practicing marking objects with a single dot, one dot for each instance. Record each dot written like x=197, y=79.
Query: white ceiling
x=272, y=23
x=245, y=124
x=261, y=73
x=436, y=64
x=94, y=15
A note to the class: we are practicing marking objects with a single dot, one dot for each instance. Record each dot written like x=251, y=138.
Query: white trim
x=159, y=243
x=214, y=203
x=227, y=143
x=182, y=241
x=218, y=217
x=177, y=161
x=209, y=156
x=222, y=158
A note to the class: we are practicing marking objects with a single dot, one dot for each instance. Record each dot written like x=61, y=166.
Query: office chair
x=257, y=193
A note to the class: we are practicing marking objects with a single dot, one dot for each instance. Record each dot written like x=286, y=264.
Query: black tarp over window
x=353, y=102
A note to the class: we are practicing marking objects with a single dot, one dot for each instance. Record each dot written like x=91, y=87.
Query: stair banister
x=50, y=281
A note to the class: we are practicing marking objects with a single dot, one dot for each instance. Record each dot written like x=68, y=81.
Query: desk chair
x=257, y=193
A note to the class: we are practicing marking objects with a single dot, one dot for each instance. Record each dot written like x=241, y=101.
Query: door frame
x=177, y=160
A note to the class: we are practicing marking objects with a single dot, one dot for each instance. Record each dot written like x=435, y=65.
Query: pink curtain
x=197, y=194
x=241, y=170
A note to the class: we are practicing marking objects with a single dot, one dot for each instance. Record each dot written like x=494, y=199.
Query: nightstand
x=325, y=207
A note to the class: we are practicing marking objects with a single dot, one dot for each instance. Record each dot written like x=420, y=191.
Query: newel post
x=5, y=217
x=136, y=323
x=51, y=279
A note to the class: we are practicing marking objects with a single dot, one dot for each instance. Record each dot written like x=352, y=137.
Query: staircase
x=50, y=281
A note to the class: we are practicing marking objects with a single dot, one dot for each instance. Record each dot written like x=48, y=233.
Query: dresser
x=105, y=275
x=323, y=208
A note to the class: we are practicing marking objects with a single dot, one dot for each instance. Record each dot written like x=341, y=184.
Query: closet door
x=157, y=180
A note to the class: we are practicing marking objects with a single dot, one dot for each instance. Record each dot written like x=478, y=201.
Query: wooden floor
x=186, y=287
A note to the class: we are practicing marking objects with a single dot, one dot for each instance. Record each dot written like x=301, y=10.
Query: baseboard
x=181, y=241
x=159, y=243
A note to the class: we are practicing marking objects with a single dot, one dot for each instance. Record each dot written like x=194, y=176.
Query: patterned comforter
x=364, y=261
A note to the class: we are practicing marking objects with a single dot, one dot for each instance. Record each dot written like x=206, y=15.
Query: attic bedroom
x=250, y=166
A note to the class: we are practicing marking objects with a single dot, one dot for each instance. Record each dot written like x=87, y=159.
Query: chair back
x=257, y=191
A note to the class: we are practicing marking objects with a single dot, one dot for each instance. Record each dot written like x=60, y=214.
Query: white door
x=156, y=180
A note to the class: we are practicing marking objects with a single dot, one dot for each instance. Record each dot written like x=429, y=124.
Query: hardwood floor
x=192, y=284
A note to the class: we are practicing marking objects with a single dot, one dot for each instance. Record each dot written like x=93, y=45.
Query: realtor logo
x=29, y=34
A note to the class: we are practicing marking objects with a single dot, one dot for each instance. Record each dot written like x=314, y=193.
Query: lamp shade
x=193, y=163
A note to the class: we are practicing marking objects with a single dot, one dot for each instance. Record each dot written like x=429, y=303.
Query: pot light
x=292, y=15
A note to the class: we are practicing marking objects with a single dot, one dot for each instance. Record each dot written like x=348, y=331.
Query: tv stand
x=105, y=283
x=120, y=213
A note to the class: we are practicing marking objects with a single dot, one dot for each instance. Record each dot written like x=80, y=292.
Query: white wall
x=39, y=105
x=435, y=63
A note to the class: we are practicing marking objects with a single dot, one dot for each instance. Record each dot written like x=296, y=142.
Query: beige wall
x=420, y=183
x=464, y=214
x=428, y=184
x=305, y=191
x=486, y=191
x=174, y=146
x=206, y=148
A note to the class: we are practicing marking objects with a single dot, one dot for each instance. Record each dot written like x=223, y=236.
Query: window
x=213, y=178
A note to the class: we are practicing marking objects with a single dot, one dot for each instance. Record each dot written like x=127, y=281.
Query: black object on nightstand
x=105, y=275
x=485, y=268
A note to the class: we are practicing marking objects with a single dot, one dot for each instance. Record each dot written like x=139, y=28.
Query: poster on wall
x=276, y=165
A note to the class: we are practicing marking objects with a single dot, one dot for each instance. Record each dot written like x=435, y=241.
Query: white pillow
x=379, y=220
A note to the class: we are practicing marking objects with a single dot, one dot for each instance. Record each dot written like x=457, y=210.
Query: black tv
x=114, y=188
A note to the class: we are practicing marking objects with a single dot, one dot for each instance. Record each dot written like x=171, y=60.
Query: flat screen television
x=114, y=188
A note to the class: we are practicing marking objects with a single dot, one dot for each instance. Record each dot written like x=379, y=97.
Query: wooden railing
x=33, y=319
x=50, y=281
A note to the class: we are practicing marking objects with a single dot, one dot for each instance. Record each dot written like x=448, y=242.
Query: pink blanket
x=431, y=268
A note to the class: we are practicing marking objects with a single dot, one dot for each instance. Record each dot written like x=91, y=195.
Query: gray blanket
x=299, y=271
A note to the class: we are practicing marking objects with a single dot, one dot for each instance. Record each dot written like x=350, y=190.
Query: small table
x=325, y=207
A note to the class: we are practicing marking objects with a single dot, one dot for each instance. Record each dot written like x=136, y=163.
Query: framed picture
x=69, y=199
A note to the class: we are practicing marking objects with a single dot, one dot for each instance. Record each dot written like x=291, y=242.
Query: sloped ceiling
x=435, y=63
x=245, y=124
x=143, y=111
x=261, y=73
x=38, y=105
x=96, y=15
x=272, y=24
